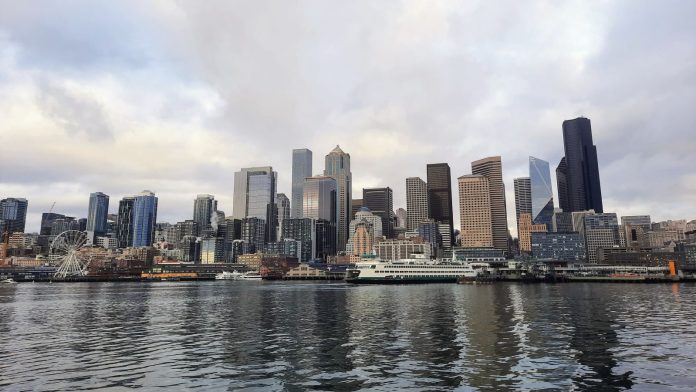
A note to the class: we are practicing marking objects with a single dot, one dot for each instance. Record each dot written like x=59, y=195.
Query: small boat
x=251, y=275
x=227, y=275
x=8, y=281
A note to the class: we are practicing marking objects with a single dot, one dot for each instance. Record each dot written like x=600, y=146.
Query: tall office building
x=301, y=169
x=282, y=211
x=380, y=201
x=355, y=206
x=373, y=222
x=439, y=184
x=523, y=199
x=254, y=197
x=319, y=198
x=144, y=219
x=124, y=225
x=541, y=191
x=562, y=185
x=526, y=228
x=253, y=234
x=580, y=176
x=337, y=165
x=492, y=168
x=203, y=209
x=47, y=219
x=561, y=221
x=416, y=202
x=401, y=217
x=96, y=214
x=13, y=211
x=475, y=211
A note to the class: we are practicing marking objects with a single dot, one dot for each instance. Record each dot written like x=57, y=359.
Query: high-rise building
x=47, y=219
x=401, y=217
x=13, y=211
x=416, y=202
x=601, y=231
x=380, y=201
x=254, y=197
x=561, y=222
x=319, y=198
x=562, y=185
x=634, y=229
x=301, y=169
x=304, y=231
x=439, y=183
x=203, y=209
x=541, y=191
x=371, y=222
x=581, y=174
x=492, y=169
x=362, y=240
x=253, y=233
x=325, y=239
x=96, y=214
x=212, y=250
x=337, y=165
x=523, y=199
x=144, y=219
x=282, y=211
x=124, y=225
x=475, y=211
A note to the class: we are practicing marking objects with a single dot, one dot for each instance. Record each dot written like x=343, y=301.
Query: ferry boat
x=409, y=271
x=227, y=275
x=8, y=281
x=251, y=275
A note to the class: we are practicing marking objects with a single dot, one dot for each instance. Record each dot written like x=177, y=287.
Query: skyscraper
x=144, y=219
x=203, y=209
x=440, y=194
x=14, y=212
x=319, y=198
x=254, y=197
x=337, y=165
x=475, y=211
x=416, y=202
x=380, y=201
x=401, y=217
x=124, y=225
x=541, y=191
x=301, y=169
x=492, y=168
x=562, y=185
x=601, y=231
x=523, y=199
x=96, y=214
x=581, y=172
x=282, y=211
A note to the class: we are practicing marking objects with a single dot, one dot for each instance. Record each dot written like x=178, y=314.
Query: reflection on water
x=304, y=336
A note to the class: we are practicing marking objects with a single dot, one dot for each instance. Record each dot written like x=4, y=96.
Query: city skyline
x=162, y=109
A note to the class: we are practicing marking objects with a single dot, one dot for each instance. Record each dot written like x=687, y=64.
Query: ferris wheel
x=65, y=254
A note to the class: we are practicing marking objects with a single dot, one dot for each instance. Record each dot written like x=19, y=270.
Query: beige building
x=252, y=261
x=492, y=168
x=416, y=202
x=401, y=249
x=526, y=228
x=362, y=240
x=475, y=211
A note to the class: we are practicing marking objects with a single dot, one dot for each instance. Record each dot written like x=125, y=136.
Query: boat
x=8, y=281
x=251, y=275
x=227, y=275
x=409, y=271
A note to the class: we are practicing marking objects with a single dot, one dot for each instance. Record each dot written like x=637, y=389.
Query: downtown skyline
x=162, y=108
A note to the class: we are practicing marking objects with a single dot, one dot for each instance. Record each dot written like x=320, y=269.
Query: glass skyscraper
x=439, y=184
x=337, y=165
x=203, y=209
x=578, y=173
x=541, y=192
x=319, y=198
x=96, y=213
x=254, y=197
x=13, y=211
x=144, y=219
x=301, y=169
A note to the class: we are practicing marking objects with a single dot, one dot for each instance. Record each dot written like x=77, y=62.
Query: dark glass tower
x=582, y=170
x=380, y=201
x=124, y=226
x=439, y=183
x=562, y=183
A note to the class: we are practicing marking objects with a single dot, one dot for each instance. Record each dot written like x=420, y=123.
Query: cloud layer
x=174, y=97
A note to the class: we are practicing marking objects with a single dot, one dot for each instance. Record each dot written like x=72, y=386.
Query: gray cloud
x=190, y=92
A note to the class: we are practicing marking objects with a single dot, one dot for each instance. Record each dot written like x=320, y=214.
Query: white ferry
x=227, y=275
x=251, y=275
x=409, y=271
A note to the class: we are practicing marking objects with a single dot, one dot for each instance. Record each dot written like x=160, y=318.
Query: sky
x=174, y=97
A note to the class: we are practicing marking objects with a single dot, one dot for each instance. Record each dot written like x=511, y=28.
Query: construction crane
x=52, y=205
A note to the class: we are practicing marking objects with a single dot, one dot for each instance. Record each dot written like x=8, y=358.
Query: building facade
x=558, y=246
x=13, y=211
x=337, y=165
x=301, y=169
x=439, y=184
x=144, y=219
x=475, y=211
x=96, y=214
x=380, y=202
x=416, y=202
x=523, y=198
x=541, y=192
x=527, y=227
x=319, y=198
x=392, y=249
x=580, y=170
x=492, y=168
x=601, y=231
x=203, y=209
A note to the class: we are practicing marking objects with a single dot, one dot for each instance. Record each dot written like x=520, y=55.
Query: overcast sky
x=175, y=97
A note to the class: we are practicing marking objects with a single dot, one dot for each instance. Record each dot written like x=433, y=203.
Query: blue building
x=301, y=169
x=558, y=246
x=97, y=212
x=13, y=211
x=144, y=219
x=541, y=192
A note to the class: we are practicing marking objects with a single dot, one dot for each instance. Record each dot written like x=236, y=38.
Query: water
x=317, y=336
